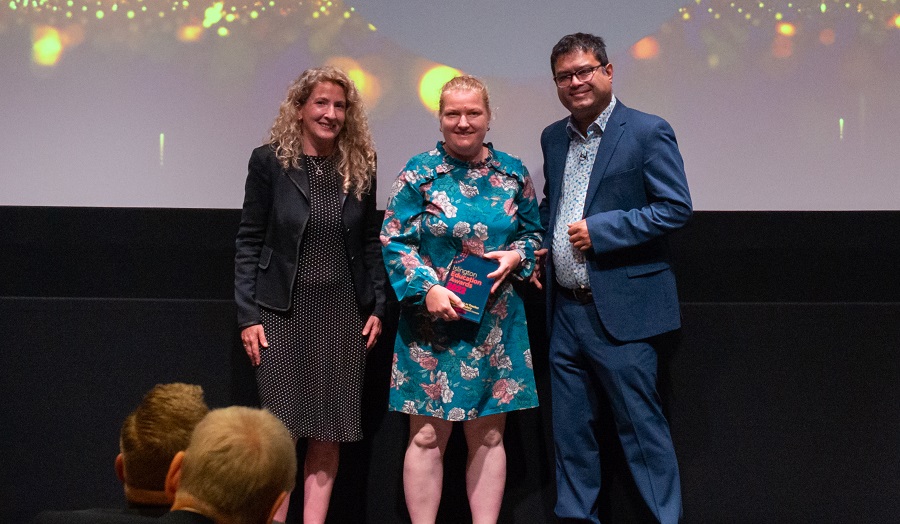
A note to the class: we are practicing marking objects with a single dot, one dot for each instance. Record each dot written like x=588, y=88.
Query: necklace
x=318, y=163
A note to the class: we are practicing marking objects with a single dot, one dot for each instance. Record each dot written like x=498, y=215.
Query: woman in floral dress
x=462, y=196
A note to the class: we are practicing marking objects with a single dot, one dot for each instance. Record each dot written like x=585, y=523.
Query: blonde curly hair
x=355, y=149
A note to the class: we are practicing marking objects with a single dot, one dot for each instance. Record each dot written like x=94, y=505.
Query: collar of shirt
x=597, y=126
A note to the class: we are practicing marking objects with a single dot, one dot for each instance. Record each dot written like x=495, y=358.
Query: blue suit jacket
x=273, y=222
x=637, y=194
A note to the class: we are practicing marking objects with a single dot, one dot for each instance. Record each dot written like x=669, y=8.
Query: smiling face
x=464, y=123
x=585, y=100
x=322, y=118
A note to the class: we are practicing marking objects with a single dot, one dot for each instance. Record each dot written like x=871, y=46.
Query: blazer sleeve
x=251, y=235
x=668, y=201
x=373, y=257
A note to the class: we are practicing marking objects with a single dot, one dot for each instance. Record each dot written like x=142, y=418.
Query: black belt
x=581, y=295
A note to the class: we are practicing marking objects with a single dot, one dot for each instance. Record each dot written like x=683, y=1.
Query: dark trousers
x=584, y=364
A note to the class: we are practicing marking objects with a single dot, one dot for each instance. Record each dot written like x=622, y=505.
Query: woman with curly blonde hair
x=309, y=275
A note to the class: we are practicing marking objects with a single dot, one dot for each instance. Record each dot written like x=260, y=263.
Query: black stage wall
x=783, y=395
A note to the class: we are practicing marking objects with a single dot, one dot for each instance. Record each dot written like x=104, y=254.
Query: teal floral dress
x=440, y=206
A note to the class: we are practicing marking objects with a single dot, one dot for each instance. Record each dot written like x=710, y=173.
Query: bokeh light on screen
x=185, y=20
x=787, y=29
x=47, y=45
x=646, y=48
x=367, y=83
x=431, y=83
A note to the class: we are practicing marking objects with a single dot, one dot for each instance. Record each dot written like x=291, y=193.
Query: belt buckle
x=582, y=295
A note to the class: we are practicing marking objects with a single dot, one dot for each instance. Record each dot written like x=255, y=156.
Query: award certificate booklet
x=468, y=279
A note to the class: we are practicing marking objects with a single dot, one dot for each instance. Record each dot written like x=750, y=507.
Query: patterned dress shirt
x=568, y=262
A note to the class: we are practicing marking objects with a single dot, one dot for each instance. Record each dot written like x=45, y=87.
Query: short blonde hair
x=156, y=430
x=466, y=83
x=239, y=461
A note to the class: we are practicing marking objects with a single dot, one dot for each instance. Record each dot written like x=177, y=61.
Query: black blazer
x=273, y=222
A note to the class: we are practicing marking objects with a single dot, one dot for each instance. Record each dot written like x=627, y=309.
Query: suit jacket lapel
x=614, y=128
x=556, y=164
x=299, y=178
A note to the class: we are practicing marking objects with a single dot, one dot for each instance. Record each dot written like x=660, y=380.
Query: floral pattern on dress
x=440, y=206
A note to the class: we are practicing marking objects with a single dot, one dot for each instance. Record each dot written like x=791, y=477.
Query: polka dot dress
x=311, y=374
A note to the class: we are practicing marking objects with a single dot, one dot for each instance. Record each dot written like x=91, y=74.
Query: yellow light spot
x=712, y=61
x=315, y=14
x=13, y=5
x=223, y=31
x=645, y=49
x=840, y=128
x=778, y=16
x=431, y=83
x=686, y=16
x=190, y=33
x=162, y=148
x=371, y=27
x=213, y=14
x=254, y=15
x=346, y=14
x=130, y=14
x=47, y=46
x=897, y=21
x=115, y=8
x=100, y=15
x=787, y=29
x=230, y=17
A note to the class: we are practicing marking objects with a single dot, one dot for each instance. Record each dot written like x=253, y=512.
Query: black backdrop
x=783, y=394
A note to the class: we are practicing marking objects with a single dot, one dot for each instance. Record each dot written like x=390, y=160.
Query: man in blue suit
x=615, y=188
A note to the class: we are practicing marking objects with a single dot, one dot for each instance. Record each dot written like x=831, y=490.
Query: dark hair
x=579, y=42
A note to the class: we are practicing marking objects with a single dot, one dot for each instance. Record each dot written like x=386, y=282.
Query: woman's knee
x=486, y=432
x=428, y=436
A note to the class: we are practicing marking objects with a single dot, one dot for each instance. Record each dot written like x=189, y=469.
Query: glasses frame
x=583, y=75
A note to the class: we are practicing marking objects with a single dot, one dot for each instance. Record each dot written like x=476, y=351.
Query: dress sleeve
x=409, y=271
x=529, y=231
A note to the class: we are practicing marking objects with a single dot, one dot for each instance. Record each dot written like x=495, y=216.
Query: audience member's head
x=152, y=434
x=238, y=468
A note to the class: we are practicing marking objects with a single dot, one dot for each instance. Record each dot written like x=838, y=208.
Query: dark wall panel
x=783, y=394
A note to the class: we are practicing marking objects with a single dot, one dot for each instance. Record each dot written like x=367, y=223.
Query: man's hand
x=540, y=259
x=579, y=236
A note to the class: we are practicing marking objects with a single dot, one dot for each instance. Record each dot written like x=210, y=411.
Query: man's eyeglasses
x=583, y=75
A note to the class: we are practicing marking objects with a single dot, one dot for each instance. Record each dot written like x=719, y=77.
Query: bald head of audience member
x=151, y=435
x=237, y=469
